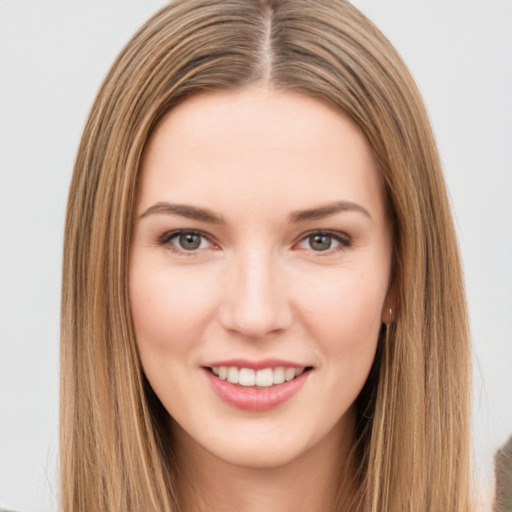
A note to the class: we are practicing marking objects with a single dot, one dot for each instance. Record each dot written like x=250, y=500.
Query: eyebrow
x=205, y=215
x=184, y=210
x=327, y=210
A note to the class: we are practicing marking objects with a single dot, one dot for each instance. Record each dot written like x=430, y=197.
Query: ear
x=388, y=314
x=389, y=307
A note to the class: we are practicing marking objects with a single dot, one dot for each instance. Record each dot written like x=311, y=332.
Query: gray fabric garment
x=503, y=470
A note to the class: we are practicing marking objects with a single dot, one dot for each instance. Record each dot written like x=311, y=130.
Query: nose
x=255, y=301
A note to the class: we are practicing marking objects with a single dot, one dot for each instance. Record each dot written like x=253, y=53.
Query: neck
x=316, y=481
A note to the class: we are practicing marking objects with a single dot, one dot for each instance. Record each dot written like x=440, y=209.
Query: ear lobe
x=387, y=315
x=389, y=307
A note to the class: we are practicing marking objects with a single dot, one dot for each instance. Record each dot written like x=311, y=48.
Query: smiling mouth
x=262, y=378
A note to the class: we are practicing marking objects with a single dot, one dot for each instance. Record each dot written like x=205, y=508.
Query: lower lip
x=256, y=399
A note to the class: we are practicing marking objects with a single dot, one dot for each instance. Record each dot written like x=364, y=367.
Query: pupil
x=189, y=241
x=320, y=242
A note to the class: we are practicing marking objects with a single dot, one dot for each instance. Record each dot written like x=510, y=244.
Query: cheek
x=168, y=308
x=345, y=318
x=169, y=311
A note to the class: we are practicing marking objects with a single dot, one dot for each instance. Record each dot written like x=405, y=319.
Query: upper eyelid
x=166, y=238
x=175, y=232
x=339, y=235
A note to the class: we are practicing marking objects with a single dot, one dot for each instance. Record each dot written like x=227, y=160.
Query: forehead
x=259, y=145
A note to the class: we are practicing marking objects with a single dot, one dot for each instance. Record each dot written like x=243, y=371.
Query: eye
x=321, y=241
x=188, y=241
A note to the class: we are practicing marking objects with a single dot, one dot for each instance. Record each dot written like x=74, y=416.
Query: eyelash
x=343, y=240
x=166, y=238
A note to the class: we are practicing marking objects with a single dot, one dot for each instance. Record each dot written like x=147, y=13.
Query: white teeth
x=279, y=375
x=246, y=377
x=289, y=374
x=263, y=378
x=232, y=375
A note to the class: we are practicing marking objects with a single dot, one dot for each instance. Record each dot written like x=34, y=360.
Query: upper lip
x=256, y=365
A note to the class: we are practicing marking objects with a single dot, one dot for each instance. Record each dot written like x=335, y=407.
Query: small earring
x=390, y=319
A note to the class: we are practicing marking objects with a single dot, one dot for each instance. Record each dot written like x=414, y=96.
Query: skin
x=258, y=287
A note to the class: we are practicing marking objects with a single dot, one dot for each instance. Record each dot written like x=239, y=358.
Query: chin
x=266, y=444
x=268, y=455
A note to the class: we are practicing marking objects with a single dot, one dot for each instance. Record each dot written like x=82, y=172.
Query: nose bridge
x=256, y=302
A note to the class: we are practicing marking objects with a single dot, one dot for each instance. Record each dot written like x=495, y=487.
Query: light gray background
x=53, y=56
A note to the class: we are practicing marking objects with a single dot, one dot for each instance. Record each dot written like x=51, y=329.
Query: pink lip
x=252, y=398
x=256, y=365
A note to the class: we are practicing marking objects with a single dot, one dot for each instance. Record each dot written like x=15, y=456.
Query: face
x=259, y=272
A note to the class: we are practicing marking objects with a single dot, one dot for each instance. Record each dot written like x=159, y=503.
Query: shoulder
x=503, y=472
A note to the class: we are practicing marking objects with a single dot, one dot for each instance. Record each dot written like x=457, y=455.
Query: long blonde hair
x=412, y=452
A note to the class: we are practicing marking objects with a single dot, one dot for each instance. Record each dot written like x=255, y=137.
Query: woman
x=262, y=297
